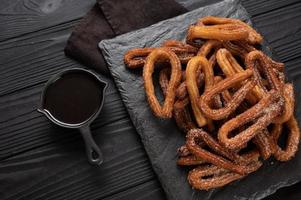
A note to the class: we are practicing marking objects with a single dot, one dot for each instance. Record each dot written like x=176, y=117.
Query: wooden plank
x=32, y=59
x=49, y=159
x=23, y=128
x=282, y=29
x=265, y=6
x=37, y=58
x=60, y=171
x=19, y=17
x=146, y=191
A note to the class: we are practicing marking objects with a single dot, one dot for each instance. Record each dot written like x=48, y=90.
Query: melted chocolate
x=73, y=98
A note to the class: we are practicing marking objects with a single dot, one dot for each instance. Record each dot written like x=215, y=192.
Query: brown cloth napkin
x=109, y=18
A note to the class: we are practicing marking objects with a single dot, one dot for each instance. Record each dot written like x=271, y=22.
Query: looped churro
x=195, y=135
x=218, y=177
x=230, y=66
x=262, y=114
x=238, y=97
x=262, y=140
x=180, y=111
x=257, y=61
x=192, y=86
x=204, y=51
x=253, y=36
x=135, y=58
x=217, y=32
x=211, y=176
x=175, y=77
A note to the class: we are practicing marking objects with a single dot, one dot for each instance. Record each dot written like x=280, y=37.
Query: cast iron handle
x=93, y=152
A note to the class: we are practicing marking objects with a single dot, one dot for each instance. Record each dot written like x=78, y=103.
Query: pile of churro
x=230, y=99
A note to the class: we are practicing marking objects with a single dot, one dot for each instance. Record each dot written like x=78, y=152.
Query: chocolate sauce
x=73, y=98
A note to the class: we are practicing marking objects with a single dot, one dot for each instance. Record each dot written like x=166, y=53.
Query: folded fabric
x=82, y=44
x=109, y=18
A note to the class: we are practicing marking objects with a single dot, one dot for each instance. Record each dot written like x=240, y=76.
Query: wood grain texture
x=281, y=28
x=19, y=17
x=24, y=60
x=265, y=6
x=51, y=160
x=42, y=161
x=60, y=171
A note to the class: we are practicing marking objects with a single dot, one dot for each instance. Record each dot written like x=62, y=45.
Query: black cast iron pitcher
x=73, y=99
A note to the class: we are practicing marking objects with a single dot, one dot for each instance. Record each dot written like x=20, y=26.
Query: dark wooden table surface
x=41, y=161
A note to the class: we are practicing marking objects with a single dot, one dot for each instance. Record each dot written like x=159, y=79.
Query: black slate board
x=161, y=138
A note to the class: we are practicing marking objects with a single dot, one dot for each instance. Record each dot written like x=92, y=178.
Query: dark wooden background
x=41, y=161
